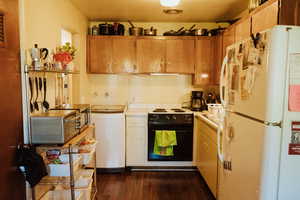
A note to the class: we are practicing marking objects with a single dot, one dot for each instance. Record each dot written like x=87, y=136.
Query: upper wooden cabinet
x=129, y=54
x=228, y=38
x=205, y=60
x=99, y=55
x=180, y=55
x=265, y=17
x=151, y=55
x=219, y=56
x=124, y=55
x=111, y=55
x=243, y=29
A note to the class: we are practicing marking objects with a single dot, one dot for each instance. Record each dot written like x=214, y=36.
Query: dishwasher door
x=110, y=134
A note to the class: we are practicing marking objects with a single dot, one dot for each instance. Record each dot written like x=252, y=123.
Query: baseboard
x=162, y=169
x=110, y=170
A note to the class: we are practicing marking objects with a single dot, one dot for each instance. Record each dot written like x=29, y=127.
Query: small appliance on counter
x=197, y=101
x=54, y=126
x=83, y=113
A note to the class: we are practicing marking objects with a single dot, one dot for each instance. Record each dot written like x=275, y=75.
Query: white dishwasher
x=110, y=133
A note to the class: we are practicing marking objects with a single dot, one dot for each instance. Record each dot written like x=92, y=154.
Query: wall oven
x=183, y=125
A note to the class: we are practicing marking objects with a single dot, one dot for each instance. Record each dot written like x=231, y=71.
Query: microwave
x=83, y=112
x=54, y=126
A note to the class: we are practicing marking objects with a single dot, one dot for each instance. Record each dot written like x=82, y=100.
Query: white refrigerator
x=259, y=145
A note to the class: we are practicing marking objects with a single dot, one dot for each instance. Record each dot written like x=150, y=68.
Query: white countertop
x=137, y=112
x=208, y=119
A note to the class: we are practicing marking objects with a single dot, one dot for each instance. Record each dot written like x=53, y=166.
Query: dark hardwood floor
x=152, y=186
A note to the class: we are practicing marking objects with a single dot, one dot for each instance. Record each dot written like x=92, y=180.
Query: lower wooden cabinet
x=207, y=157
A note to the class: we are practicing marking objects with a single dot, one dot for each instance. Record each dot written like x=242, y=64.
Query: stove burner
x=177, y=110
x=160, y=110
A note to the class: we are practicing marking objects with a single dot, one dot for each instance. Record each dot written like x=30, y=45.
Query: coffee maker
x=197, y=101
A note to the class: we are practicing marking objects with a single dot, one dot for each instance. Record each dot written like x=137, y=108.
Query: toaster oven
x=83, y=112
x=54, y=126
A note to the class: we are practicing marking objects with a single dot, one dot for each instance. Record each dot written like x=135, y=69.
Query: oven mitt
x=32, y=165
x=164, y=142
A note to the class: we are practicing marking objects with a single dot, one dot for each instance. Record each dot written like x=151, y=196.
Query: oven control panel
x=170, y=118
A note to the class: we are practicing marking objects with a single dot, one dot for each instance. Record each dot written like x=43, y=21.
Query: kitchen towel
x=164, y=142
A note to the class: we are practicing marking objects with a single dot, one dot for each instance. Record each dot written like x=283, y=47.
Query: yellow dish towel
x=164, y=142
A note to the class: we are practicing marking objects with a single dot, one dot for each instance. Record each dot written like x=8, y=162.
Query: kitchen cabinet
x=228, y=38
x=206, y=158
x=265, y=17
x=218, y=59
x=151, y=55
x=243, y=29
x=136, y=140
x=205, y=60
x=180, y=55
x=124, y=55
x=111, y=54
x=99, y=53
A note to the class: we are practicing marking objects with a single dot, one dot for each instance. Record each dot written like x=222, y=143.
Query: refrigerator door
x=246, y=159
x=289, y=187
x=256, y=76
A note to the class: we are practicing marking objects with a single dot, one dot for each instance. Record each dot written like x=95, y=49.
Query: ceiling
x=151, y=11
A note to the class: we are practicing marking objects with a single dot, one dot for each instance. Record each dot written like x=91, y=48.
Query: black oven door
x=183, y=151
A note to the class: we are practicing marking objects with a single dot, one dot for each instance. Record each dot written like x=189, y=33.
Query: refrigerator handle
x=222, y=81
x=220, y=153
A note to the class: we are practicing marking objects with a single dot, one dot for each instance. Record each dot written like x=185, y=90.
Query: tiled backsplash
x=144, y=89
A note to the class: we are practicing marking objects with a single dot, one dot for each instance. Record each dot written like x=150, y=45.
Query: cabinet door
x=207, y=156
x=243, y=30
x=124, y=55
x=99, y=55
x=204, y=61
x=150, y=55
x=228, y=38
x=218, y=49
x=180, y=55
x=265, y=18
x=136, y=145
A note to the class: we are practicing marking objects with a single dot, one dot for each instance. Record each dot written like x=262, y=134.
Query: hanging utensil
x=40, y=88
x=45, y=103
x=31, y=95
x=36, y=105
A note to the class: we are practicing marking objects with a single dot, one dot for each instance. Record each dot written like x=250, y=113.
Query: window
x=66, y=36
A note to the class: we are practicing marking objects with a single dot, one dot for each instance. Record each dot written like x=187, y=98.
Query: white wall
x=41, y=23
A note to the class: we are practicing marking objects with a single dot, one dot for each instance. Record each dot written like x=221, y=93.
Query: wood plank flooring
x=152, y=186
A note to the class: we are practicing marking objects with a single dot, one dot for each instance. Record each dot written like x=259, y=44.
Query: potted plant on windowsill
x=64, y=56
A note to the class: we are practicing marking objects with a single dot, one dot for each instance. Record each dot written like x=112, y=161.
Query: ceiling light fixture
x=172, y=11
x=169, y=3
